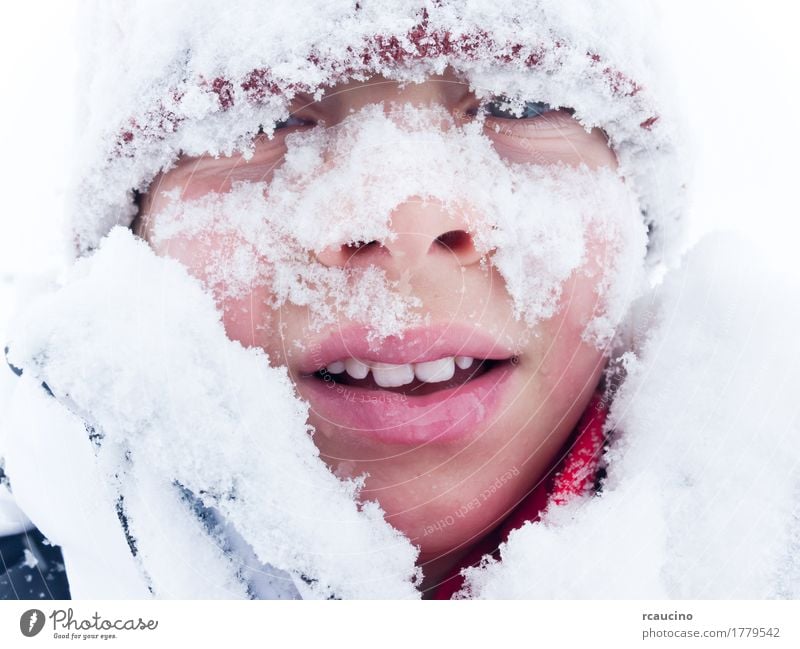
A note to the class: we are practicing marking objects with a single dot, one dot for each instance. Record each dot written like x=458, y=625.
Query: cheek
x=193, y=252
x=247, y=319
x=211, y=257
x=570, y=144
x=567, y=353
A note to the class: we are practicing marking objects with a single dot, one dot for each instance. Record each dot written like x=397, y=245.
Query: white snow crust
x=536, y=222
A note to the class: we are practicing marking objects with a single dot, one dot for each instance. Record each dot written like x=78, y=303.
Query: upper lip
x=416, y=345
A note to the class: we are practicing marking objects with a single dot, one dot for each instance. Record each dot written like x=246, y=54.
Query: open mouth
x=412, y=379
x=436, y=384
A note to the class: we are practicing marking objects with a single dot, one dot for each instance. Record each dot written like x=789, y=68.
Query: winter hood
x=161, y=79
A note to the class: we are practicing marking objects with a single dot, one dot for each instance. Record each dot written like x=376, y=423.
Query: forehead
x=447, y=87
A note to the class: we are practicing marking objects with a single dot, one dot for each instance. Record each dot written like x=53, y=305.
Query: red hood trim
x=423, y=41
x=574, y=474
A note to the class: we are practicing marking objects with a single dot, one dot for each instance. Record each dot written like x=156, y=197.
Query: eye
x=504, y=108
x=292, y=120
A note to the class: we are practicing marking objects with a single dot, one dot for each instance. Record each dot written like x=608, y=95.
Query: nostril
x=350, y=253
x=358, y=245
x=455, y=240
x=350, y=250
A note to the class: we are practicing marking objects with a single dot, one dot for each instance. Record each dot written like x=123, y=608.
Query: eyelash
x=499, y=108
x=286, y=123
x=291, y=121
x=502, y=108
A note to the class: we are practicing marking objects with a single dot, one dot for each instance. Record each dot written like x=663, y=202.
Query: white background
x=737, y=67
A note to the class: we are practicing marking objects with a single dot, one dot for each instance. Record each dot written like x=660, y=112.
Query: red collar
x=574, y=473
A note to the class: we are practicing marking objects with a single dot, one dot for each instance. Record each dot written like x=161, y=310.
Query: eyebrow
x=303, y=97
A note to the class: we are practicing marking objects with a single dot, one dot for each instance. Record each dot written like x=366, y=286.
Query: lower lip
x=446, y=416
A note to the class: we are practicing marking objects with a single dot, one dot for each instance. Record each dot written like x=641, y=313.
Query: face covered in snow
x=440, y=274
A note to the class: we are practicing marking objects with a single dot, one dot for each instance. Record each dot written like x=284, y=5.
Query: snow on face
x=341, y=185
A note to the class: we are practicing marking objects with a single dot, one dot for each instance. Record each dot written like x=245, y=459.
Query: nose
x=422, y=231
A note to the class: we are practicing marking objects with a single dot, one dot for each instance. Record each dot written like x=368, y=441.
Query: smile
x=433, y=385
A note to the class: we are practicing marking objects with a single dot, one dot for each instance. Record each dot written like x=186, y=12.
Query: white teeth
x=337, y=367
x=435, y=371
x=387, y=375
x=464, y=362
x=356, y=368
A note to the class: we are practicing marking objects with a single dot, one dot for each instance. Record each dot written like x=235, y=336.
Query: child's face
x=445, y=459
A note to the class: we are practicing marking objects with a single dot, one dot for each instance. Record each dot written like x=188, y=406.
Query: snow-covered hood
x=152, y=460
x=164, y=78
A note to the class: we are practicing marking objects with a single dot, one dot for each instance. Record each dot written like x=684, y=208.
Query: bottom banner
x=399, y=623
